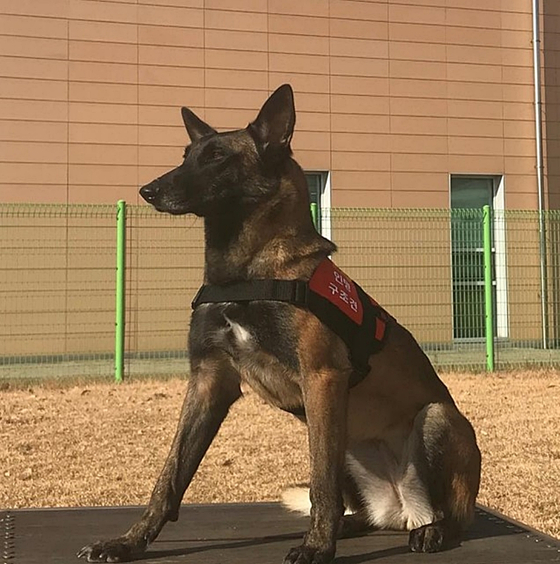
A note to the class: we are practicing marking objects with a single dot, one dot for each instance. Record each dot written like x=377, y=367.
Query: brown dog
x=392, y=449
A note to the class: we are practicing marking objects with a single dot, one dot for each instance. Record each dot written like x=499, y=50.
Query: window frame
x=324, y=204
x=501, y=314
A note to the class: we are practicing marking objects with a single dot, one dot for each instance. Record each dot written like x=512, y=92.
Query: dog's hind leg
x=213, y=387
x=447, y=459
x=426, y=484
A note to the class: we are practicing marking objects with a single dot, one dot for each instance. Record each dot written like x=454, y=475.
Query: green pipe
x=314, y=214
x=120, y=297
x=488, y=293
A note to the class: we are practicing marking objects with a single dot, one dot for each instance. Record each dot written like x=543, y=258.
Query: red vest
x=348, y=311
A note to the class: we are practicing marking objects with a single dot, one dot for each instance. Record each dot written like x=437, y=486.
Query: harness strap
x=331, y=296
x=292, y=291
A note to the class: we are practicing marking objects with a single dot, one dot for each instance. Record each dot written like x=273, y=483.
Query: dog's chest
x=260, y=340
x=244, y=330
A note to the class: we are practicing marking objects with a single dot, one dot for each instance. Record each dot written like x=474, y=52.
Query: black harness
x=340, y=303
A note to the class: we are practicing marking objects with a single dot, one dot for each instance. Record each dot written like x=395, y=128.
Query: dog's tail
x=297, y=499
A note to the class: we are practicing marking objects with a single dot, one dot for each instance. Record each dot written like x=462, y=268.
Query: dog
x=388, y=446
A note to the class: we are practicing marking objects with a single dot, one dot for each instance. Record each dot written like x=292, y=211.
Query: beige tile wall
x=392, y=96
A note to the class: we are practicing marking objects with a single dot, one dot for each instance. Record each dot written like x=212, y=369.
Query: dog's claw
x=118, y=550
x=307, y=555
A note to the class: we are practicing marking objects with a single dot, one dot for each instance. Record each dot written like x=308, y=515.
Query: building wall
x=392, y=96
x=551, y=98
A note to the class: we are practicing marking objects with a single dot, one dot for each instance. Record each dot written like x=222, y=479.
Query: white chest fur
x=241, y=335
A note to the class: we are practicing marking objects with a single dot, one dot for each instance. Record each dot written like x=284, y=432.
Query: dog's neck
x=276, y=240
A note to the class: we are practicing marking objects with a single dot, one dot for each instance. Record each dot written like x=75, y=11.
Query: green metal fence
x=467, y=283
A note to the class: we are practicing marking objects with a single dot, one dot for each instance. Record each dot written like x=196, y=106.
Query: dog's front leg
x=325, y=398
x=213, y=387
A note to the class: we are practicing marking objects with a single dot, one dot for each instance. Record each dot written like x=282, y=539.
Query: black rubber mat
x=251, y=533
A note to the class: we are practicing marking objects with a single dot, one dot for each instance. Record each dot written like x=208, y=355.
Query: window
x=469, y=194
x=318, y=184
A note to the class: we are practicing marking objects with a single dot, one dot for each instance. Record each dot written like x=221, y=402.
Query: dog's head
x=223, y=171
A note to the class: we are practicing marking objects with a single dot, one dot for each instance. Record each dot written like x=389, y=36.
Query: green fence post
x=488, y=293
x=120, y=295
x=314, y=213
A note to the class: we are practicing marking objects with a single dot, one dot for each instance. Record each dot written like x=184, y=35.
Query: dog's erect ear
x=196, y=128
x=275, y=123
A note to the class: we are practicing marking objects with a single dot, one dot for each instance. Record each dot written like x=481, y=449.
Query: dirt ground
x=104, y=444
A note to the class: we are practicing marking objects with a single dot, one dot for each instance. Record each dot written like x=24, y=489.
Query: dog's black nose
x=149, y=192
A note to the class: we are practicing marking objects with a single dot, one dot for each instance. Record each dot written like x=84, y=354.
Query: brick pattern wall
x=392, y=95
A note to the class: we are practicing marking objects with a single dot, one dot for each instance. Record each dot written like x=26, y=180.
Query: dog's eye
x=212, y=154
x=215, y=155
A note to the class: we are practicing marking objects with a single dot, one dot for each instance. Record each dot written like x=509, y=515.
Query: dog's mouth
x=172, y=211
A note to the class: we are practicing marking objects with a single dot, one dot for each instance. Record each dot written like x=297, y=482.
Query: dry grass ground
x=102, y=444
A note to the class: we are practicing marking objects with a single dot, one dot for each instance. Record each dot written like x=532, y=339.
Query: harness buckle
x=300, y=295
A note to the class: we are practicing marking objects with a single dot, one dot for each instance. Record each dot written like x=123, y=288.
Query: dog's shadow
x=217, y=544
x=485, y=529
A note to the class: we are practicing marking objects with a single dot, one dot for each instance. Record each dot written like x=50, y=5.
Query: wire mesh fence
x=57, y=287
x=427, y=268
x=165, y=258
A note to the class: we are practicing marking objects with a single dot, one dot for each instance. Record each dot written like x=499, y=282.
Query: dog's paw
x=308, y=555
x=352, y=526
x=429, y=538
x=116, y=550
